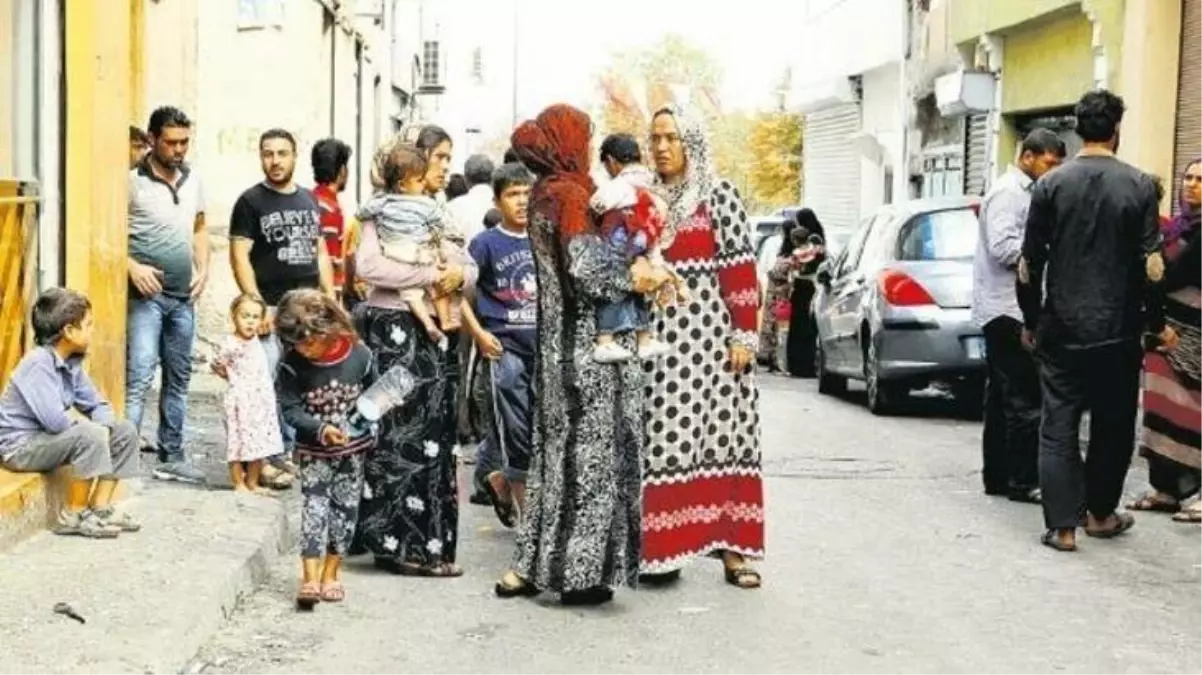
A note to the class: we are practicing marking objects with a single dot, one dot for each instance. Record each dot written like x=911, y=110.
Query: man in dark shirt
x=276, y=244
x=1093, y=227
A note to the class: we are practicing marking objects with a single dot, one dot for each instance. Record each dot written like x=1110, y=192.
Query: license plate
x=975, y=347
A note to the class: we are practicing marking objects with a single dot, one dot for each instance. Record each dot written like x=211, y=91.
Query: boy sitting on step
x=51, y=416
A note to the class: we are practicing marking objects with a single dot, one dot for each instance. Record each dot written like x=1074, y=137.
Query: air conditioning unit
x=964, y=92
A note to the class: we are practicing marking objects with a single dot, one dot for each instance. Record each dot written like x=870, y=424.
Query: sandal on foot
x=1150, y=502
x=504, y=511
x=332, y=591
x=443, y=571
x=589, y=597
x=1026, y=496
x=743, y=577
x=1125, y=522
x=1191, y=515
x=523, y=589
x=308, y=596
x=1051, y=539
x=661, y=579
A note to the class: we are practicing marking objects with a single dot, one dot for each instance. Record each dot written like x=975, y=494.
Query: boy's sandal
x=308, y=596
x=743, y=577
x=504, y=510
x=332, y=591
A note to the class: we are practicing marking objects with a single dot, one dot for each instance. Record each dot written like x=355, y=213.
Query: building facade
x=848, y=84
x=75, y=75
x=66, y=83
x=988, y=71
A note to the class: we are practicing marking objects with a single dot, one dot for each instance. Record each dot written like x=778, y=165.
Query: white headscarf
x=699, y=180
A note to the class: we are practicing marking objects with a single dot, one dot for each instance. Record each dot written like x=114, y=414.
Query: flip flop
x=505, y=512
x=308, y=596
x=523, y=590
x=1126, y=522
x=441, y=571
x=743, y=577
x=1050, y=540
x=332, y=591
x=1188, y=516
x=1147, y=502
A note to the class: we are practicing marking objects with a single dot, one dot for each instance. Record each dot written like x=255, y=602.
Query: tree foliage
x=776, y=170
x=760, y=154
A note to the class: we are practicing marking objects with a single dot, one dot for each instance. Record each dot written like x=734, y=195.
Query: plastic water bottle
x=391, y=390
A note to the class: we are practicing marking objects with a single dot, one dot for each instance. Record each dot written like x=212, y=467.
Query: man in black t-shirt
x=275, y=229
x=275, y=238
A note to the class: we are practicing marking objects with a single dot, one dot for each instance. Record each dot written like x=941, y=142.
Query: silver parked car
x=894, y=307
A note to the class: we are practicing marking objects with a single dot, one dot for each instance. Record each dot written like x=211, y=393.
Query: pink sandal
x=308, y=596
x=332, y=591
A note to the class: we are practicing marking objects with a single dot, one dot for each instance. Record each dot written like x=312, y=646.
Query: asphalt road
x=883, y=556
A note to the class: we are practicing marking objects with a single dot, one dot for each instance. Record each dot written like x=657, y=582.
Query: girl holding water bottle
x=320, y=380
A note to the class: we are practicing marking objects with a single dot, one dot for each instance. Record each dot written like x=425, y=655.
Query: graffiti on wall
x=242, y=140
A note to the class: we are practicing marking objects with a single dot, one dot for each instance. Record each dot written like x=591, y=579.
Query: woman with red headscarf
x=580, y=534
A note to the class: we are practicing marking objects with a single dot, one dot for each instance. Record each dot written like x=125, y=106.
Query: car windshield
x=941, y=235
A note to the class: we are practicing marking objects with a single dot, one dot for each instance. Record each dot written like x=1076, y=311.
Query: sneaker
x=183, y=472
x=86, y=523
x=652, y=350
x=611, y=352
x=118, y=519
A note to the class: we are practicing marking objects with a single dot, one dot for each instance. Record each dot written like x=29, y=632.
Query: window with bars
x=431, y=64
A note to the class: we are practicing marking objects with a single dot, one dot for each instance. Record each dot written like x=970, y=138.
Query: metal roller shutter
x=1189, y=94
x=976, y=154
x=832, y=166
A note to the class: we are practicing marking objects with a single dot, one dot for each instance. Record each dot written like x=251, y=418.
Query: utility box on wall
x=964, y=92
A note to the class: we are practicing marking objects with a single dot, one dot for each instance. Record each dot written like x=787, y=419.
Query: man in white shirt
x=1010, y=447
x=469, y=210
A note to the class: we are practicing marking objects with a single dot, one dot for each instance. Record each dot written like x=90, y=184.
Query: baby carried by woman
x=632, y=219
x=416, y=229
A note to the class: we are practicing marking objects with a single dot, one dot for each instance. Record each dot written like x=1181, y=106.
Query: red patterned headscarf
x=555, y=145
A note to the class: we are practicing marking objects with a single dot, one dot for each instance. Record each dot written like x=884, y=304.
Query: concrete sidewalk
x=150, y=599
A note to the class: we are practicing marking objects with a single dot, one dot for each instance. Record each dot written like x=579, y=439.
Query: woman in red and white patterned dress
x=702, y=483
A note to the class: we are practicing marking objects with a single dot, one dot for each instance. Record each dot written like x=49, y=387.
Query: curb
x=240, y=581
x=151, y=600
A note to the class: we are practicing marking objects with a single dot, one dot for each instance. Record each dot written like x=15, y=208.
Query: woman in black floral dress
x=409, y=515
x=581, y=530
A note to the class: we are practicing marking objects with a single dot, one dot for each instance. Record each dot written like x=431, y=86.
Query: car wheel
x=883, y=396
x=828, y=383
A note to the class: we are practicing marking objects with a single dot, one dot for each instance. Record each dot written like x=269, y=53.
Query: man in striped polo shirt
x=168, y=268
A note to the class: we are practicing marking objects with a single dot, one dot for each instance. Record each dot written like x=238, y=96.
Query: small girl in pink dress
x=252, y=429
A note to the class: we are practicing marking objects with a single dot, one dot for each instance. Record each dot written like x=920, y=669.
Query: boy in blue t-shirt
x=505, y=334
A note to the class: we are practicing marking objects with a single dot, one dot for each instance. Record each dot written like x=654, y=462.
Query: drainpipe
x=901, y=172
